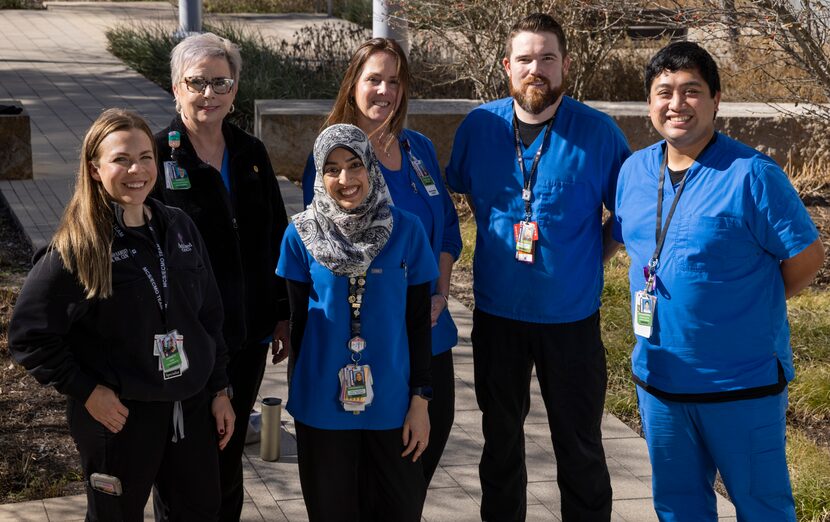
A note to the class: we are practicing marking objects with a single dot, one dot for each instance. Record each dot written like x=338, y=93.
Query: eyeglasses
x=197, y=84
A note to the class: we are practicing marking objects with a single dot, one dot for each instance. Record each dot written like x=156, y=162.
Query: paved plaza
x=56, y=63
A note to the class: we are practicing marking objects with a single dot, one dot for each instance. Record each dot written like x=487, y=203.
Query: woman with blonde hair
x=121, y=313
x=374, y=96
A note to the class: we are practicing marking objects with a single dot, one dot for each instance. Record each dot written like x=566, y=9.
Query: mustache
x=532, y=78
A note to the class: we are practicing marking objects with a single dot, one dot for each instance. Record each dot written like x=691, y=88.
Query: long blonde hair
x=345, y=108
x=84, y=236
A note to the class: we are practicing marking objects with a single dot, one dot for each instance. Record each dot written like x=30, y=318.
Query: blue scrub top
x=406, y=260
x=721, y=316
x=437, y=215
x=577, y=175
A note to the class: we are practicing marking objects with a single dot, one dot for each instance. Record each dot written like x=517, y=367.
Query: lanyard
x=162, y=294
x=414, y=164
x=357, y=287
x=662, y=229
x=528, y=178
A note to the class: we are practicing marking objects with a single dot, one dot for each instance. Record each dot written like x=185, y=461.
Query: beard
x=535, y=99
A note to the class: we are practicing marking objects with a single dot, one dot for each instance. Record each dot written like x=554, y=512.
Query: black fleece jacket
x=242, y=229
x=73, y=343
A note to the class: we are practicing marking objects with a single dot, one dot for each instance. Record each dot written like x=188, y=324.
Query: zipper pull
x=414, y=187
x=235, y=225
x=405, y=269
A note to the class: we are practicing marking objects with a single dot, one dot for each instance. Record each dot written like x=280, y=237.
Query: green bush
x=311, y=66
x=260, y=6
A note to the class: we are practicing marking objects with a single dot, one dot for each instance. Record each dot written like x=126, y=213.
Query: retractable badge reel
x=175, y=177
x=356, y=379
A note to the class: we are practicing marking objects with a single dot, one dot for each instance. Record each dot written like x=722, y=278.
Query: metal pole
x=330, y=8
x=385, y=23
x=190, y=17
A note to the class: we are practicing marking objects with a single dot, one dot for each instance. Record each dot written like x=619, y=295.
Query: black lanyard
x=162, y=294
x=662, y=229
x=528, y=178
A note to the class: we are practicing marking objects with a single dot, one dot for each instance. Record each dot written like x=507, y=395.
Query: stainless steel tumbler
x=269, y=444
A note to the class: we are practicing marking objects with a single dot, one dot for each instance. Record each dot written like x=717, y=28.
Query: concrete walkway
x=56, y=63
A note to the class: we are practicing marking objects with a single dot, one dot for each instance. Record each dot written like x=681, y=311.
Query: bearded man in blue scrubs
x=537, y=168
x=718, y=240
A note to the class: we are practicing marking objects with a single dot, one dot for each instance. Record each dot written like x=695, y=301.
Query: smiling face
x=345, y=178
x=126, y=167
x=682, y=110
x=206, y=107
x=536, y=70
x=377, y=93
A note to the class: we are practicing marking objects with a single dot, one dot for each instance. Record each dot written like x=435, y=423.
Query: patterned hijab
x=346, y=240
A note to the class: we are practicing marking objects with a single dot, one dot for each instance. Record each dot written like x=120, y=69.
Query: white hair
x=200, y=46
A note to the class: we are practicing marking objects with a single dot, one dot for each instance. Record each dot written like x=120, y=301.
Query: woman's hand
x=439, y=303
x=281, y=344
x=416, y=428
x=104, y=406
x=223, y=413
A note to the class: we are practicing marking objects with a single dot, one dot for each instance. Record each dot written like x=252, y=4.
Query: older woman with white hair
x=222, y=177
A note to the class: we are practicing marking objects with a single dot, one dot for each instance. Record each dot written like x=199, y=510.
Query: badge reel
x=645, y=305
x=175, y=177
x=356, y=379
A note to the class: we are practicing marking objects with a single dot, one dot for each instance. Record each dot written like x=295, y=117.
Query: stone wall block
x=15, y=144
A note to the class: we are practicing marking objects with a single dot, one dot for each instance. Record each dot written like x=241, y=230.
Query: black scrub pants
x=245, y=371
x=358, y=475
x=141, y=454
x=441, y=411
x=570, y=366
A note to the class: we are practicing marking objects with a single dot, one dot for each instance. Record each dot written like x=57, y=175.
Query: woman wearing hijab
x=358, y=272
x=374, y=96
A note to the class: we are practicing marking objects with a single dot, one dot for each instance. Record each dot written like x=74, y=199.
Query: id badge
x=426, y=179
x=175, y=177
x=169, y=348
x=644, y=306
x=356, y=387
x=526, y=233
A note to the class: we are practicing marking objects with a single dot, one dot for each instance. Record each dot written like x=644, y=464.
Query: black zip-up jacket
x=73, y=343
x=242, y=229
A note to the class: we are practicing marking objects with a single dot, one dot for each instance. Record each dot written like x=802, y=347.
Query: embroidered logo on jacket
x=185, y=247
x=120, y=255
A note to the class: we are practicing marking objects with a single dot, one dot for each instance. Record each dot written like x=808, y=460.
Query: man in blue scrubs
x=718, y=240
x=537, y=168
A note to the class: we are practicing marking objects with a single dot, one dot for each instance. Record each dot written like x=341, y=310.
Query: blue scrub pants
x=744, y=440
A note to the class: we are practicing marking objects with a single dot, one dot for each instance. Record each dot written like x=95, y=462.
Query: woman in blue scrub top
x=373, y=96
x=359, y=273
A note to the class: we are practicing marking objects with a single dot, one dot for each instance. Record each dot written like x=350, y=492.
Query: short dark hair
x=537, y=23
x=683, y=56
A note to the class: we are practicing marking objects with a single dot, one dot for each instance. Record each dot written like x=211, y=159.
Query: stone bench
x=15, y=144
x=288, y=128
